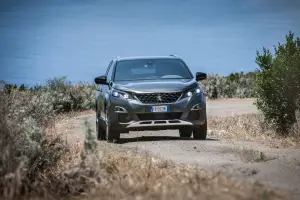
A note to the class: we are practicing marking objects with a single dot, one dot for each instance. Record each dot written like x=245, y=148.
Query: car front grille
x=158, y=97
x=159, y=116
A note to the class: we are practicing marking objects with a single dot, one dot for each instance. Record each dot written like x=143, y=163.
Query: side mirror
x=100, y=80
x=200, y=76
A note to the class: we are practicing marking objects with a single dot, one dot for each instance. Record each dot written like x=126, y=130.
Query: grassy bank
x=252, y=127
x=39, y=161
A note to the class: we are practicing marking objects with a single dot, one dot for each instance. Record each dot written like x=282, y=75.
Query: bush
x=214, y=86
x=59, y=93
x=66, y=97
x=30, y=150
x=278, y=83
x=36, y=164
x=26, y=149
x=236, y=85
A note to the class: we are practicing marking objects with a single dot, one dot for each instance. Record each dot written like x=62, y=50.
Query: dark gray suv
x=150, y=93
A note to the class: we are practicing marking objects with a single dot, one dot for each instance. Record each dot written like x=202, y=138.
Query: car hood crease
x=155, y=86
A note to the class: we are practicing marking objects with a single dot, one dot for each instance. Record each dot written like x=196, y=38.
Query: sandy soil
x=279, y=168
x=228, y=107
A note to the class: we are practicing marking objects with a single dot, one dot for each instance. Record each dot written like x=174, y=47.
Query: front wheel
x=99, y=130
x=200, y=133
x=185, y=132
x=111, y=136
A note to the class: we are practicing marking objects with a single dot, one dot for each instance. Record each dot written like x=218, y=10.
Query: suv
x=150, y=93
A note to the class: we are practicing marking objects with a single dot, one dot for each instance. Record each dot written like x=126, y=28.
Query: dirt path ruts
x=279, y=168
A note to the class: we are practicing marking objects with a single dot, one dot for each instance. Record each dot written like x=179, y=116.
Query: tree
x=22, y=87
x=278, y=83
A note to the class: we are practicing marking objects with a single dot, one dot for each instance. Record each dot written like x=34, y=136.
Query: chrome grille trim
x=148, y=98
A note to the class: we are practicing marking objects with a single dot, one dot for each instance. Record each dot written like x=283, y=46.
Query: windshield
x=148, y=69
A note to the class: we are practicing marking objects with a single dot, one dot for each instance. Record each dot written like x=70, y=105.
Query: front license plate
x=159, y=109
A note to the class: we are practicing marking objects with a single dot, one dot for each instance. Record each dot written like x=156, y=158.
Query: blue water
x=40, y=39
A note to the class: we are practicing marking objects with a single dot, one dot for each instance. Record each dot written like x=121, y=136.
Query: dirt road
x=279, y=168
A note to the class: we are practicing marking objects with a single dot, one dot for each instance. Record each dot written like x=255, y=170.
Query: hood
x=168, y=85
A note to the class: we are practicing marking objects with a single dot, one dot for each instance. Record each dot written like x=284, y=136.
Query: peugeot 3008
x=150, y=93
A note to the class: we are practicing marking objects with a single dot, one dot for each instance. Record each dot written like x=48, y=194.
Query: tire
x=200, y=133
x=99, y=130
x=185, y=132
x=111, y=136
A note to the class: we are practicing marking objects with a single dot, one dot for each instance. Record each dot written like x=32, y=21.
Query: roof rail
x=175, y=56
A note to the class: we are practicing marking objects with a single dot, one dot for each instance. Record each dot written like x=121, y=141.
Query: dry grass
x=230, y=99
x=31, y=151
x=145, y=177
x=251, y=127
x=112, y=173
x=248, y=155
x=120, y=174
x=38, y=161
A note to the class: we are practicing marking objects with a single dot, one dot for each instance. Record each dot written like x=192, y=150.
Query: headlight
x=192, y=92
x=126, y=96
x=189, y=94
x=116, y=93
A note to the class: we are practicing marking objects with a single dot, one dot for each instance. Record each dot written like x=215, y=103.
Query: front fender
x=96, y=101
x=106, y=101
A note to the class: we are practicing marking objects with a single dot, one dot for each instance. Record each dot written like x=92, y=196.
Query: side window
x=109, y=71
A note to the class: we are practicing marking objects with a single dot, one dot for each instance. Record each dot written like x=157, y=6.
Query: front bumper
x=137, y=115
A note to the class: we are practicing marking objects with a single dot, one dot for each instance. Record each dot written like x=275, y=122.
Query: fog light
x=193, y=115
x=196, y=107
x=119, y=109
x=123, y=117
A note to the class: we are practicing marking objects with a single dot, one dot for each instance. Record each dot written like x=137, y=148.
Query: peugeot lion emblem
x=159, y=98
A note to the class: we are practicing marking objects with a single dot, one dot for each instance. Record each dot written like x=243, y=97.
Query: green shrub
x=58, y=94
x=29, y=151
x=26, y=150
x=278, y=83
x=214, y=86
x=65, y=96
x=236, y=85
